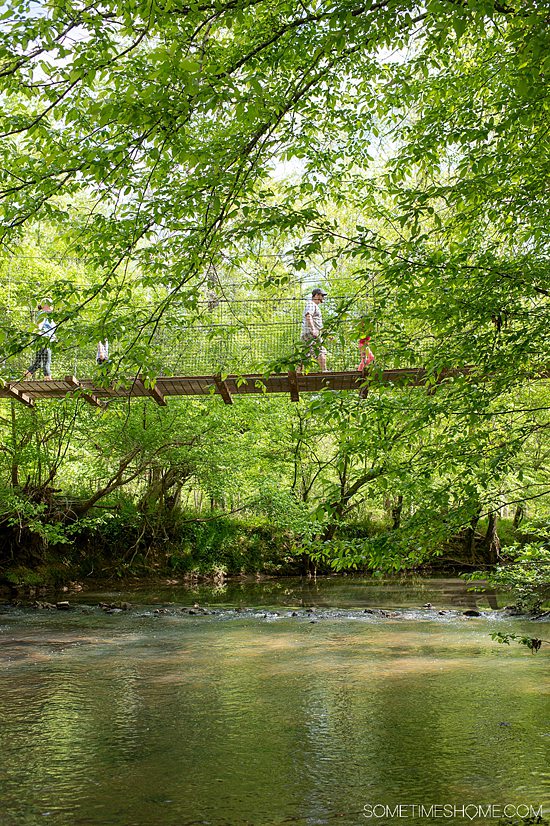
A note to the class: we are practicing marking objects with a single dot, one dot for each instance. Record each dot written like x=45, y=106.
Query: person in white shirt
x=43, y=356
x=102, y=354
x=312, y=327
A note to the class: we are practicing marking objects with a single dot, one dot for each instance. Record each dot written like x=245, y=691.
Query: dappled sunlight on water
x=138, y=719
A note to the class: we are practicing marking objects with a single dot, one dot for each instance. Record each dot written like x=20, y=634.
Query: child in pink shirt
x=367, y=356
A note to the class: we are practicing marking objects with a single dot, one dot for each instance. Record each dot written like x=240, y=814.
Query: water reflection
x=323, y=592
x=165, y=720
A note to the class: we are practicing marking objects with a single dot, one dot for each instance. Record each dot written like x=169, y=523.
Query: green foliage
x=387, y=551
x=22, y=576
x=526, y=575
x=231, y=546
x=532, y=643
x=21, y=514
x=285, y=511
x=145, y=157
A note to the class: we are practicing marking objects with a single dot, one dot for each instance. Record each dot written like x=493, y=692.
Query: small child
x=102, y=355
x=367, y=356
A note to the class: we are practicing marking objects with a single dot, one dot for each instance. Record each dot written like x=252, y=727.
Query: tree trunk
x=519, y=515
x=14, y=460
x=338, y=508
x=471, y=537
x=396, y=510
x=492, y=542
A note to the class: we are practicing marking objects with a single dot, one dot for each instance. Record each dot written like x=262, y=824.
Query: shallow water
x=156, y=717
x=338, y=591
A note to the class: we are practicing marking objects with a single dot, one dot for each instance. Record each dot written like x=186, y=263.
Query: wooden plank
x=168, y=387
x=35, y=386
x=197, y=387
x=204, y=386
x=88, y=397
x=185, y=389
x=155, y=393
x=136, y=388
x=287, y=382
x=15, y=393
x=223, y=389
x=311, y=382
x=405, y=376
x=73, y=382
x=293, y=385
x=152, y=392
x=246, y=385
x=277, y=384
x=179, y=386
x=108, y=392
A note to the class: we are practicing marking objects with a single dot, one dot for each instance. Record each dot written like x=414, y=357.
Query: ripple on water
x=162, y=720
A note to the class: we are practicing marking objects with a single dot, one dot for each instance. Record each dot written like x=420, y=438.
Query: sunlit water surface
x=156, y=717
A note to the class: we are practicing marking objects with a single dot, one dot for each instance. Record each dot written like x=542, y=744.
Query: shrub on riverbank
x=40, y=543
x=124, y=542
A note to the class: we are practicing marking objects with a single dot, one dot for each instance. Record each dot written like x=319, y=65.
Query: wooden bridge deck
x=165, y=387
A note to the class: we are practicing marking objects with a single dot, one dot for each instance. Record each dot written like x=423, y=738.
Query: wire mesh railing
x=226, y=336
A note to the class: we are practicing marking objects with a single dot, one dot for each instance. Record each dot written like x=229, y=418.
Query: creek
x=279, y=702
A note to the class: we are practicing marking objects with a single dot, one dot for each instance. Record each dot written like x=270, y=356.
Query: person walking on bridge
x=102, y=353
x=46, y=328
x=312, y=327
x=367, y=356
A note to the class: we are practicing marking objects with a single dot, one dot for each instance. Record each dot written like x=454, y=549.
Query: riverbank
x=193, y=549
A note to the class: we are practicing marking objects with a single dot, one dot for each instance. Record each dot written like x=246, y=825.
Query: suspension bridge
x=233, y=348
x=291, y=383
